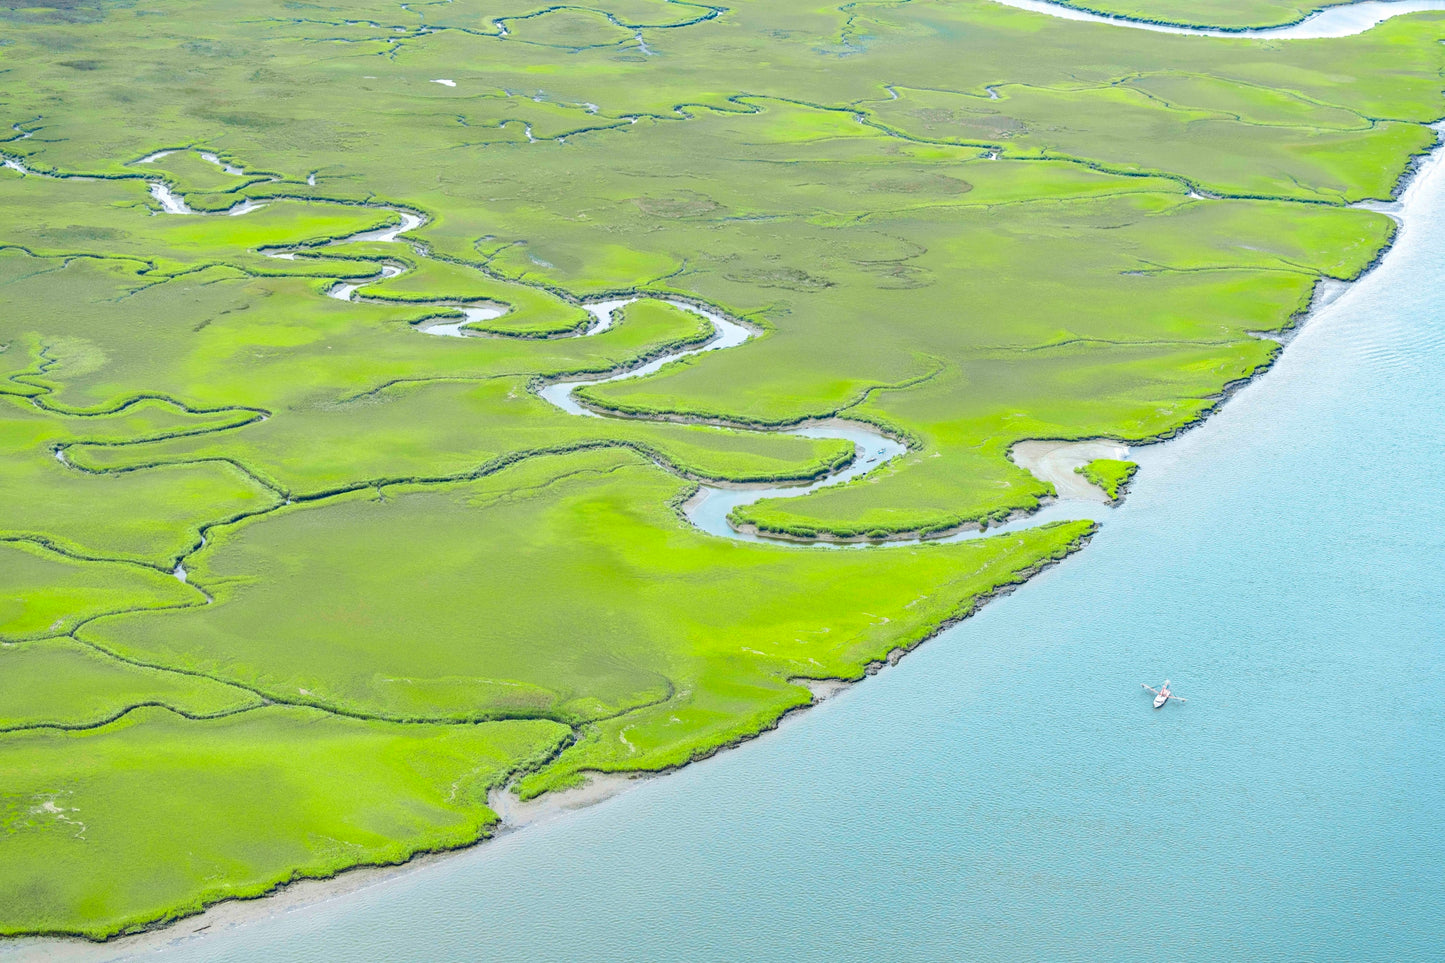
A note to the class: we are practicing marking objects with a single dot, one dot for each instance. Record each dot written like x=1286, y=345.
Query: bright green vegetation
x=1110, y=474
x=46, y=592
x=559, y=588
x=411, y=579
x=59, y=683
x=157, y=815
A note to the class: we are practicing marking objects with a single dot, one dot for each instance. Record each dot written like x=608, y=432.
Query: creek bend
x=648, y=793
x=709, y=508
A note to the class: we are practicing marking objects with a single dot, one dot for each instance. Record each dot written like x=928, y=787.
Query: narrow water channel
x=709, y=508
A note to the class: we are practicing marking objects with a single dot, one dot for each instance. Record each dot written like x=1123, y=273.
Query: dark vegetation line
x=41, y=389
x=490, y=467
x=1127, y=83
x=744, y=105
x=50, y=545
x=1047, y=156
x=504, y=31
x=1369, y=123
x=31, y=380
x=155, y=278
x=401, y=34
x=127, y=710
x=964, y=205
x=1155, y=268
x=744, y=102
x=66, y=260
x=487, y=468
x=847, y=32
x=576, y=729
x=427, y=380
x=250, y=474
x=265, y=698
x=743, y=423
x=151, y=439
x=1153, y=342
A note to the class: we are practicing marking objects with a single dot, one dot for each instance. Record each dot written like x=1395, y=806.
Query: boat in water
x=1163, y=694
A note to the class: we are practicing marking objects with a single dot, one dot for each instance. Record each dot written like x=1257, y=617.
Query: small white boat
x=1163, y=694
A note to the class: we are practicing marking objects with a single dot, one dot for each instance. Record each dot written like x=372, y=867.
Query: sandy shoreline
x=1049, y=460
x=518, y=814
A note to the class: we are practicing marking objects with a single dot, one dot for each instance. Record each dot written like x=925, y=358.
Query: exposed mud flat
x=516, y=813
x=1057, y=462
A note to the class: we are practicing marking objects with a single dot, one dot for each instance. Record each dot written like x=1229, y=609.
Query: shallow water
x=709, y=509
x=1342, y=21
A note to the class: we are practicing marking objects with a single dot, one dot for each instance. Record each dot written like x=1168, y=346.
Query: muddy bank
x=1057, y=462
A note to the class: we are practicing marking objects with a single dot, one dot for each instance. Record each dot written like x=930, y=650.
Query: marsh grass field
x=288, y=586
x=1110, y=474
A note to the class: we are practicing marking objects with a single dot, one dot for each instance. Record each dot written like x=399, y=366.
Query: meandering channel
x=562, y=394
x=710, y=507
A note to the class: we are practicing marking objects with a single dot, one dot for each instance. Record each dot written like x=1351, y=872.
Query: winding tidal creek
x=710, y=507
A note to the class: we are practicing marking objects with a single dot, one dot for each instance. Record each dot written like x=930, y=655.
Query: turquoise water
x=1006, y=792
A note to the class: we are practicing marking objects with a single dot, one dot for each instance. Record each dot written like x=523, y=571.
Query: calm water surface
x=1006, y=793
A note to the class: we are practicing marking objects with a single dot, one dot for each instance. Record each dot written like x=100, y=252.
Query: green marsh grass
x=106, y=830
x=48, y=593
x=469, y=587
x=58, y=683
x=1110, y=474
